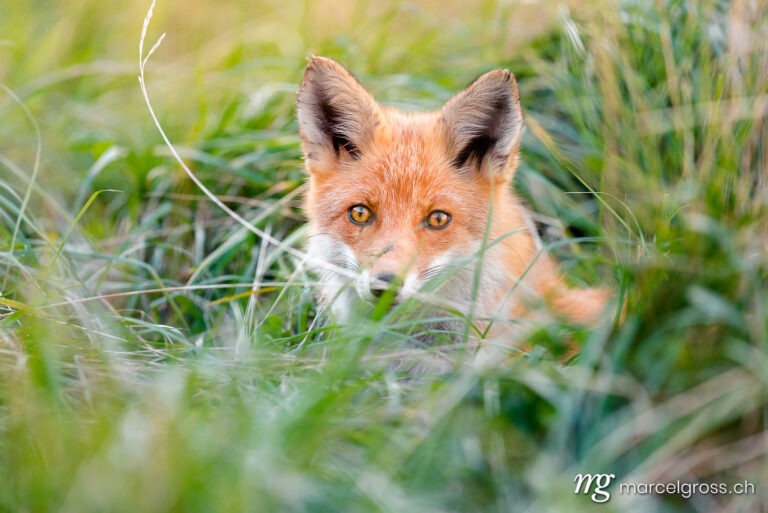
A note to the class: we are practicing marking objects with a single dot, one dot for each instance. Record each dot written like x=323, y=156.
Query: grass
x=155, y=355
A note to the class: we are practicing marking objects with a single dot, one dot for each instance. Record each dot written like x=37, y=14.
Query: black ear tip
x=316, y=69
x=500, y=75
x=320, y=64
x=322, y=69
x=505, y=75
x=507, y=78
x=318, y=60
x=498, y=80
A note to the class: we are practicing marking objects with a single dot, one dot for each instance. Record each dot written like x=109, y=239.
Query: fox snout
x=390, y=268
x=385, y=281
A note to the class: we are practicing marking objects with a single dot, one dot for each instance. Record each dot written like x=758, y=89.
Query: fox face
x=395, y=197
x=398, y=199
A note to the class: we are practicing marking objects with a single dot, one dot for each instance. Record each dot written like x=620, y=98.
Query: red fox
x=404, y=199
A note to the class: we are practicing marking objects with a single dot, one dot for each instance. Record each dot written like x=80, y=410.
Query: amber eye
x=360, y=215
x=438, y=219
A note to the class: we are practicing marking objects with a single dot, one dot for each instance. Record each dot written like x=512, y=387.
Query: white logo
x=602, y=481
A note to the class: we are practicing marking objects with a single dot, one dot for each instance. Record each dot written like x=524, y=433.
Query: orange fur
x=404, y=166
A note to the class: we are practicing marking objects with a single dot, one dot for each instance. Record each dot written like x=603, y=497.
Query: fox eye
x=437, y=220
x=360, y=215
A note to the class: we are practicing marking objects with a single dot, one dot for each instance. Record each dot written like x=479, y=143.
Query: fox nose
x=382, y=282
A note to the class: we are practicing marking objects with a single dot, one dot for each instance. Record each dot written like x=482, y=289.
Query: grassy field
x=155, y=355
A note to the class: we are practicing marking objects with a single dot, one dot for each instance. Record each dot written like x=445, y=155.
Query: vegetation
x=156, y=355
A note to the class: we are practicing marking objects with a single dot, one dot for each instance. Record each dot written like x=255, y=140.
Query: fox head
x=395, y=196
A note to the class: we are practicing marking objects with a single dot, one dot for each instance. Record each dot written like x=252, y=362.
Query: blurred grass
x=205, y=397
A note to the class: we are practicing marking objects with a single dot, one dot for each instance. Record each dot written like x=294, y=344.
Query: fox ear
x=337, y=116
x=482, y=125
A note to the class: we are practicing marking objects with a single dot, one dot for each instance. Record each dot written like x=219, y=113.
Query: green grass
x=646, y=141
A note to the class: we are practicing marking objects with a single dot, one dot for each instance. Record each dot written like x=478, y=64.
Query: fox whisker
x=433, y=271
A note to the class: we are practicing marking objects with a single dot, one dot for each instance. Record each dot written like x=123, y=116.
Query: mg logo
x=601, y=482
